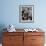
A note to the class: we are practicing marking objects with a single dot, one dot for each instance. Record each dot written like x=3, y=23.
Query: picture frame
x=26, y=13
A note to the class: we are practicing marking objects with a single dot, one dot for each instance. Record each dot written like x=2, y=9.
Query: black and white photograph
x=26, y=13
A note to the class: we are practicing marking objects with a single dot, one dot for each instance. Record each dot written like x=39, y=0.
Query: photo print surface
x=26, y=13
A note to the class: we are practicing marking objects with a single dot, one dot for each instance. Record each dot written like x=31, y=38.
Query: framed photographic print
x=26, y=13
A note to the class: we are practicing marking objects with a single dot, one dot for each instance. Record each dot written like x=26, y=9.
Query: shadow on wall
x=2, y=26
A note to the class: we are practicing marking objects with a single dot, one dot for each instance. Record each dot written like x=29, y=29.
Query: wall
x=9, y=13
